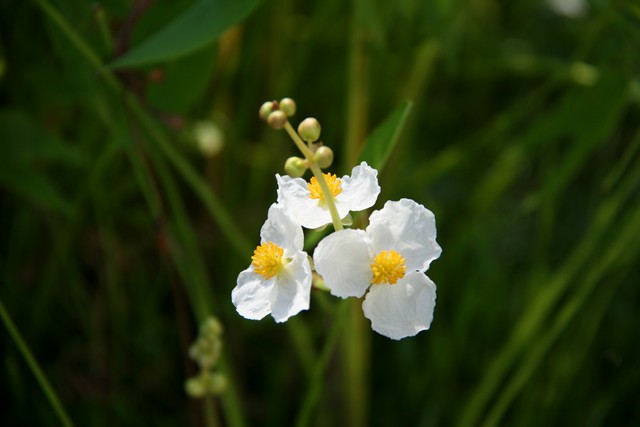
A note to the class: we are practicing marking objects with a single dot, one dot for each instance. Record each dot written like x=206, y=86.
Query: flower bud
x=277, y=119
x=265, y=110
x=323, y=156
x=211, y=327
x=295, y=167
x=309, y=129
x=288, y=106
x=195, y=387
x=209, y=138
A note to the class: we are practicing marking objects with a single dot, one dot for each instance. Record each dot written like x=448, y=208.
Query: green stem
x=210, y=416
x=315, y=387
x=328, y=196
x=79, y=43
x=35, y=368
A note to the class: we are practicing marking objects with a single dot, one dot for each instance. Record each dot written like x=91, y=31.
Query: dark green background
x=117, y=236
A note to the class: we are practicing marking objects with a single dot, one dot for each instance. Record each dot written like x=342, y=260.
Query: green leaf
x=381, y=141
x=184, y=82
x=196, y=28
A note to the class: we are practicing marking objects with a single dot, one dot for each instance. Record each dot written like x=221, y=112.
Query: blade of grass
x=33, y=364
x=531, y=320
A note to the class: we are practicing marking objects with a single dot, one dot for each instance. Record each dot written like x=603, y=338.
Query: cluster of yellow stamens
x=267, y=260
x=332, y=181
x=388, y=267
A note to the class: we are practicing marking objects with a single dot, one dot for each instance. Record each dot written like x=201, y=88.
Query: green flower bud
x=295, y=167
x=211, y=327
x=217, y=383
x=265, y=110
x=277, y=119
x=209, y=138
x=195, y=387
x=309, y=129
x=288, y=106
x=323, y=156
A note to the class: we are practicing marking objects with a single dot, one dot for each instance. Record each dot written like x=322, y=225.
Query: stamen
x=267, y=260
x=388, y=267
x=332, y=181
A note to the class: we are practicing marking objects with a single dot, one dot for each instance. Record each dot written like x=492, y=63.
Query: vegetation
x=135, y=175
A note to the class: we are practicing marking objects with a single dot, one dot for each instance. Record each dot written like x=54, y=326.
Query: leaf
x=381, y=141
x=194, y=29
x=184, y=82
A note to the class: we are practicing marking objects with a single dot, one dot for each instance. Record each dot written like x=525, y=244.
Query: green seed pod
x=277, y=119
x=323, y=157
x=309, y=129
x=288, y=106
x=295, y=167
x=265, y=110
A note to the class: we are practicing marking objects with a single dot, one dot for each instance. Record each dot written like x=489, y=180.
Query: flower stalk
x=315, y=169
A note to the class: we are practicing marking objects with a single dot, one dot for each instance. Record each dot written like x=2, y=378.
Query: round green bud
x=195, y=387
x=309, y=129
x=295, y=167
x=217, y=383
x=265, y=110
x=323, y=156
x=288, y=106
x=211, y=327
x=277, y=119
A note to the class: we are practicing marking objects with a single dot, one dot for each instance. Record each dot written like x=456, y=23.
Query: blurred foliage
x=118, y=235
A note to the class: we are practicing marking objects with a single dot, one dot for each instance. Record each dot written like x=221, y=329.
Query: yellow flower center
x=388, y=267
x=267, y=260
x=332, y=181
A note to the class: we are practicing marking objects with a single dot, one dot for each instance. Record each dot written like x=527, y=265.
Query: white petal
x=343, y=260
x=407, y=227
x=294, y=196
x=251, y=296
x=401, y=310
x=292, y=289
x=360, y=190
x=282, y=230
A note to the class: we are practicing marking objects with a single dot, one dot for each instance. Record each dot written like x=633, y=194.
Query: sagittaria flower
x=305, y=202
x=278, y=281
x=389, y=259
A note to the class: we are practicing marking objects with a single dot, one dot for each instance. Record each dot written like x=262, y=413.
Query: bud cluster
x=206, y=352
x=276, y=114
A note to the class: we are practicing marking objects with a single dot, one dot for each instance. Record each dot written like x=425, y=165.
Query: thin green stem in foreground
x=328, y=196
x=35, y=368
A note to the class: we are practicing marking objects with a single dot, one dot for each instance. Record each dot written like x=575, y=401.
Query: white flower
x=278, y=281
x=388, y=258
x=305, y=202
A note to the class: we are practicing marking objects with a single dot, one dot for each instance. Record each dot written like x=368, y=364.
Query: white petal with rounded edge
x=292, y=289
x=401, y=310
x=360, y=190
x=407, y=227
x=343, y=260
x=294, y=196
x=282, y=230
x=251, y=296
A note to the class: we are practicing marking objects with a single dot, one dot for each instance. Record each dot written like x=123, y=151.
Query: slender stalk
x=210, y=416
x=35, y=368
x=358, y=81
x=315, y=387
x=328, y=197
x=79, y=43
